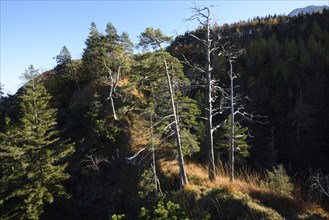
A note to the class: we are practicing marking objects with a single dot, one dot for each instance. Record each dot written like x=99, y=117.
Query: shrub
x=146, y=184
x=118, y=217
x=169, y=210
x=278, y=181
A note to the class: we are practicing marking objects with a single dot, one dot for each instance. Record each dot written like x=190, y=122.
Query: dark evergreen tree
x=33, y=157
x=222, y=142
x=63, y=59
x=168, y=69
x=92, y=57
x=64, y=56
x=111, y=38
x=150, y=68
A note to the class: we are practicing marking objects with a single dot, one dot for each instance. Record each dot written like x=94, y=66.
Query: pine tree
x=111, y=38
x=166, y=68
x=33, y=157
x=64, y=56
x=222, y=141
x=63, y=59
x=116, y=60
x=92, y=57
x=151, y=69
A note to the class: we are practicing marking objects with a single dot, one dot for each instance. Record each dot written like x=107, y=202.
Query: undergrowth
x=249, y=196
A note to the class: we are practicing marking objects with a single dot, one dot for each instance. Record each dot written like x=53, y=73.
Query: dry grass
x=315, y=208
x=133, y=90
x=169, y=168
x=198, y=175
x=139, y=137
x=123, y=82
x=138, y=94
x=246, y=182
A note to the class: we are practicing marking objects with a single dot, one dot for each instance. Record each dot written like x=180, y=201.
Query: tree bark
x=183, y=176
x=112, y=89
x=211, y=156
x=231, y=150
x=155, y=176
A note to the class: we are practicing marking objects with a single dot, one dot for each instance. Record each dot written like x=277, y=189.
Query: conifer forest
x=222, y=122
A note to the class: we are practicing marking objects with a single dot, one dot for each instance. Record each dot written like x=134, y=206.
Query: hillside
x=141, y=148
x=284, y=73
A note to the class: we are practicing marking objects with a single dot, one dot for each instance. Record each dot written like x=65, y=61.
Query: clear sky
x=33, y=32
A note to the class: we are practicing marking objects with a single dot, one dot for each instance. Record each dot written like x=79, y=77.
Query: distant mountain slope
x=307, y=10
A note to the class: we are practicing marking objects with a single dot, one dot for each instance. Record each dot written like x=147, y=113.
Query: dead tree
x=216, y=94
x=115, y=61
x=213, y=90
x=114, y=80
x=232, y=55
x=236, y=104
x=319, y=184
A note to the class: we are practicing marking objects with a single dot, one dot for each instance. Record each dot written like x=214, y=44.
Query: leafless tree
x=320, y=184
x=114, y=80
x=236, y=103
x=92, y=162
x=216, y=94
x=213, y=90
x=232, y=55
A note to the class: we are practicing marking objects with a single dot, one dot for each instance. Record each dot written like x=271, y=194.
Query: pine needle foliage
x=241, y=147
x=150, y=69
x=33, y=157
x=162, y=210
x=278, y=181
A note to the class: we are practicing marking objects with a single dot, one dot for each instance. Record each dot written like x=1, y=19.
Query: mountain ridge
x=307, y=10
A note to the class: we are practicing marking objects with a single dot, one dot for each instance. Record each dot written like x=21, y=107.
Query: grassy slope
x=244, y=198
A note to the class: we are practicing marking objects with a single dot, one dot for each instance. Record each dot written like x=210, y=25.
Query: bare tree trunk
x=113, y=109
x=211, y=166
x=183, y=176
x=114, y=84
x=155, y=176
x=231, y=150
x=153, y=157
x=156, y=38
x=203, y=16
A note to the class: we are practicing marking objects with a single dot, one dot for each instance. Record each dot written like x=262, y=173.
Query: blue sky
x=33, y=32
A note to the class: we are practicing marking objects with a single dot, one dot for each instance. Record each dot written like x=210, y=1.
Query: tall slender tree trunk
x=156, y=38
x=211, y=156
x=112, y=89
x=231, y=150
x=113, y=109
x=183, y=176
x=155, y=176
